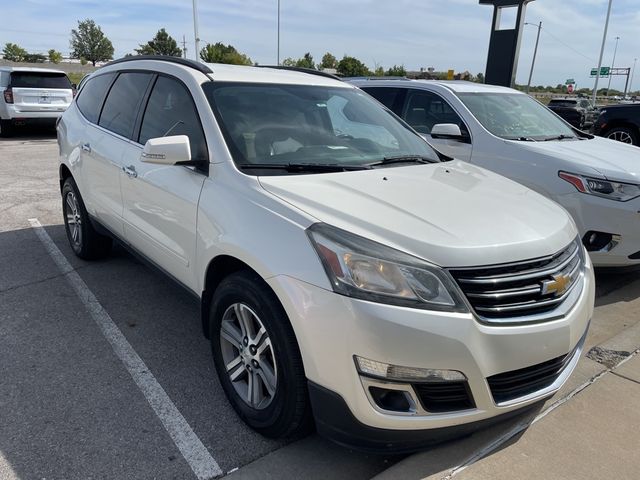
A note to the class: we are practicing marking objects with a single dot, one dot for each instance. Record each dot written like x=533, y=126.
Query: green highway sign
x=604, y=71
x=570, y=81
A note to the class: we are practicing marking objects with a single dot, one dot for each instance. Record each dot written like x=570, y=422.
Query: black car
x=619, y=122
x=579, y=112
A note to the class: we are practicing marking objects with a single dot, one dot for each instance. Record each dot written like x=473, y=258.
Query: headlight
x=603, y=188
x=361, y=268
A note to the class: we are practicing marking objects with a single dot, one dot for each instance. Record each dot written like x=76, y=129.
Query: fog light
x=387, y=371
x=391, y=400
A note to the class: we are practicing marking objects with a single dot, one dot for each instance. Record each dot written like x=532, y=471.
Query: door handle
x=86, y=147
x=130, y=171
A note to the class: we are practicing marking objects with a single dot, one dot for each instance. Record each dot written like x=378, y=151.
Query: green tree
x=328, y=61
x=34, y=58
x=288, y=62
x=14, y=52
x=379, y=71
x=306, y=61
x=161, y=44
x=480, y=78
x=352, y=67
x=55, y=56
x=397, y=71
x=88, y=42
x=221, y=53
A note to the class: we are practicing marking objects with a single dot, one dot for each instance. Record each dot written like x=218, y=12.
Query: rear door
x=161, y=202
x=40, y=91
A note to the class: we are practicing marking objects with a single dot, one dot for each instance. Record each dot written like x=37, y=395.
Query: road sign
x=450, y=74
x=604, y=71
x=570, y=81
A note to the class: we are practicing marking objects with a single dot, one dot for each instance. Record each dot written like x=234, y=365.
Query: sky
x=444, y=34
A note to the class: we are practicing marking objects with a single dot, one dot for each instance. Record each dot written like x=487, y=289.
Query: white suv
x=32, y=95
x=345, y=271
x=595, y=179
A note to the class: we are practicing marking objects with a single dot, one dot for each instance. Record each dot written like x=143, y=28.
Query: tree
x=221, y=53
x=34, y=58
x=288, y=62
x=55, y=56
x=14, y=52
x=352, y=67
x=306, y=61
x=397, y=71
x=480, y=78
x=379, y=71
x=161, y=44
x=328, y=61
x=90, y=43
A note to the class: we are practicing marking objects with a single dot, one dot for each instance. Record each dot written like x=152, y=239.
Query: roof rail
x=201, y=67
x=310, y=71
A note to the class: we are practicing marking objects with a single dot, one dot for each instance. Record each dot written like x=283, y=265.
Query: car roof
x=30, y=69
x=228, y=73
x=456, y=86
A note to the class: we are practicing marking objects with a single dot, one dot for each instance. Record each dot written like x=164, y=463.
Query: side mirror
x=74, y=86
x=167, y=150
x=449, y=131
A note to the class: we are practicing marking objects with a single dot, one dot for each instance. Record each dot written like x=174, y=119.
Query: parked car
x=579, y=112
x=31, y=95
x=620, y=123
x=344, y=268
x=509, y=132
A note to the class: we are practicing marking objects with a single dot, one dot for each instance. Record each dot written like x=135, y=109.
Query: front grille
x=440, y=397
x=523, y=288
x=518, y=383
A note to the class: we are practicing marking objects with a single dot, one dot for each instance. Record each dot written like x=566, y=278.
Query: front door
x=160, y=201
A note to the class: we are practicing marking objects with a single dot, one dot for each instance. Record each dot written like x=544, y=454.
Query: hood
x=452, y=214
x=614, y=160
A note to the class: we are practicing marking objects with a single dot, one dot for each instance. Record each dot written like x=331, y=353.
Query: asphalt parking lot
x=70, y=405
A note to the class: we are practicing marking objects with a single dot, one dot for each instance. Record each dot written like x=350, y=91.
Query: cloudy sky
x=428, y=33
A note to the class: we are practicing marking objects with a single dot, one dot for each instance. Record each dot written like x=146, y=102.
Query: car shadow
x=31, y=132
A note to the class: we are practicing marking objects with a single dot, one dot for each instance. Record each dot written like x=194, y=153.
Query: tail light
x=8, y=95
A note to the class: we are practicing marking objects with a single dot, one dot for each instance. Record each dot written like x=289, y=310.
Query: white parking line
x=194, y=452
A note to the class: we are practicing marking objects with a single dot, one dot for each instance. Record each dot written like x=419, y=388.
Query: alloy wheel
x=620, y=136
x=74, y=220
x=248, y=356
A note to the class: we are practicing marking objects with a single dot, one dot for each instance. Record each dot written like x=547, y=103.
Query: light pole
x=604, y=40
x=195, y=28
x=278, y=32
x=613, y=64
x=535, y=52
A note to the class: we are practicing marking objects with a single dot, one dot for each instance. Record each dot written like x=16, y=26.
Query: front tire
x=83, y=238
x=257, y=357
x=624, y=135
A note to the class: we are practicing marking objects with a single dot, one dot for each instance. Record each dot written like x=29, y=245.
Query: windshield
x=280, y=125
x=39, y=80
x=515, y=116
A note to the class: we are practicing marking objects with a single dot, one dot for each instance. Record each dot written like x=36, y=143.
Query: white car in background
x=30, y=95
x=504, y=130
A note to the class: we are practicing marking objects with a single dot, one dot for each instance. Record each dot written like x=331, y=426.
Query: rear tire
x=624, y=135
x=6, y=128
x=83, y=238
x=246, y=360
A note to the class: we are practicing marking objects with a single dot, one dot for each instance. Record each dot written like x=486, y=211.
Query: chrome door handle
x=86, y=147
x=130, y=171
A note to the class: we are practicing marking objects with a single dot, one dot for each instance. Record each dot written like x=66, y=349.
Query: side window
x=392, y=98
x=426, y=109
x=121, y=107
x=171, y=111
x=90, y=100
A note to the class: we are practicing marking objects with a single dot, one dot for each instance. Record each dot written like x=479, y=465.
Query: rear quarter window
x=39, y=80
x=91, y=97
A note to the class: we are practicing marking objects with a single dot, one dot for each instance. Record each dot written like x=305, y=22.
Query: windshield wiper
x=560, y=137
x=402, y=159
x=303, y=167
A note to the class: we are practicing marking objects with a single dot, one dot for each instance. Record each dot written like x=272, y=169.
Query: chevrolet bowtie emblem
x=558, y=285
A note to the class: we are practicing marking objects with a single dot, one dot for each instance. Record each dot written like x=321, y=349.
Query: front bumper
x=621, y=219
x=331, y=329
